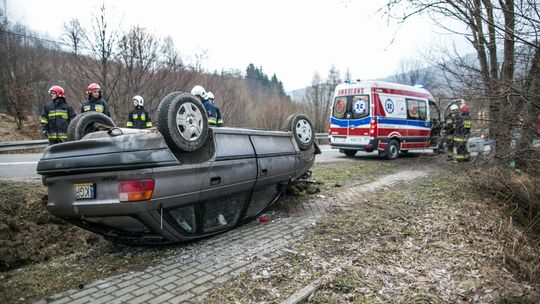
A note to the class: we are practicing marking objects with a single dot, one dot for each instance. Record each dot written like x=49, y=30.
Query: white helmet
x=209, y=95
x=454, y=107
x=139, y=99
x=199, y=91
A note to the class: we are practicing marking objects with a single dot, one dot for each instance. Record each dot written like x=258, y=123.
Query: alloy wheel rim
x=189, y=121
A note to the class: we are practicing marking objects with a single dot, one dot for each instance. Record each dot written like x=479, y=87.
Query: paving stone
x=182, y=298
x=184, y=287
x=60, y=301
x=145, y=290
x=128, y=283
x=142, y=298
x=86, y=299
x=125, y=290
x=222, y=279
x=150, y=280
x=83, y=293
x=161, y=298
x=126, y=298
x=106, y=299
x=203, y=279
x=202, y=288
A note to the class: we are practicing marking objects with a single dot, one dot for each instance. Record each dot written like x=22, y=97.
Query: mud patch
x=29, y=234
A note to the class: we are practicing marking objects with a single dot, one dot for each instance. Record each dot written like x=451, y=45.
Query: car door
x=228, y=183
x=276, y=165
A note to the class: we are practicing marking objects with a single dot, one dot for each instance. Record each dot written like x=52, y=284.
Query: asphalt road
x=19, y=165
x=24, y=165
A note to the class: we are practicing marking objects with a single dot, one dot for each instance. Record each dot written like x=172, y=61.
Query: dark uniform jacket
x=96, y=104
x=212, y=113
x=55, y=118
x=218, y=116
x=462, y=126
x=139, y=119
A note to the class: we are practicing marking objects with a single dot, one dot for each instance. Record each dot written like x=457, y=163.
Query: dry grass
x=9, y=132
x=434, y=242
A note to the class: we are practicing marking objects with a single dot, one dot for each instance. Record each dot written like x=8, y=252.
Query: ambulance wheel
x=302, y=128
x=350, y=153
x=182, y=121
x=88, y=122
x=392, y=150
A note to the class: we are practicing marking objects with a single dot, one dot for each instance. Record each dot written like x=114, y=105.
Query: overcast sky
x=291, y=38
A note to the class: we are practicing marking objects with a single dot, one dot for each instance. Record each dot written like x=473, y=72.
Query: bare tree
x=496, y=29
x=21, y=68
x=319, y=98
x=74, y=35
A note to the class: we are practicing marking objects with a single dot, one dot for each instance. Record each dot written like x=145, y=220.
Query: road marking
x=19, y=163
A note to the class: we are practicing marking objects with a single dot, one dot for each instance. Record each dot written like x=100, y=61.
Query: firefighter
x=462, y=125
x=94, y=101
x=449, y=130
x=209, y=107
x=139, y=118
x=56, y=115
x=210, y=96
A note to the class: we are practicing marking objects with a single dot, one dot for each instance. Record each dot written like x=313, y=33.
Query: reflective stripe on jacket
x=55, y=118
x=94, y=104
x=211, y=112
x=139, y=119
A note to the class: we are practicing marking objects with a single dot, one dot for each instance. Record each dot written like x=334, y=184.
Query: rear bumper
x=368, y=147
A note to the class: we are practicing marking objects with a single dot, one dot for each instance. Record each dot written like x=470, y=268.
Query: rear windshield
x=351, y=107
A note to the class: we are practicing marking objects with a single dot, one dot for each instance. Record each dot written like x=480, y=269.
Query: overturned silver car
x=181, y=181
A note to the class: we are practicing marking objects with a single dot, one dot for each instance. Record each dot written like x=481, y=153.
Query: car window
x=416, y=109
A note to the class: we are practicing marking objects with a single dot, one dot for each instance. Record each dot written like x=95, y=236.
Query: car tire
x=392, y=150
x=83, y=124
x=350, y=153
x=302, y=128
x=182, y=121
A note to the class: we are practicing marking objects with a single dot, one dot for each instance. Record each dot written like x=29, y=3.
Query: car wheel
x=392, y=150
x=88, y=122
x=182, y=121
x=302, y=128
x=350, y=153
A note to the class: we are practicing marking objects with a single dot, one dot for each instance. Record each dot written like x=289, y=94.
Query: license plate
x=85, y=191
x=360, y=140
x=338, y=139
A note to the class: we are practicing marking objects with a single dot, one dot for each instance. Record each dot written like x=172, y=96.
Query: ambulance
x=386, y=117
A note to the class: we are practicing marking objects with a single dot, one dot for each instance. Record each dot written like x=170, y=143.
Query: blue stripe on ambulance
x=416, y=123
x=343, y=123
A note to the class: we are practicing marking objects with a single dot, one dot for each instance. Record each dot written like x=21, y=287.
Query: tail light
x=373, y=126
x=135, y=190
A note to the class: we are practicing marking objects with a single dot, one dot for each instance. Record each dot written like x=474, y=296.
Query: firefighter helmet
x=58, y=90
x=209, y=95
x=454, y=107
x=199, y=91
x=92, y=87
x=139, y=100
x=464, y=108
